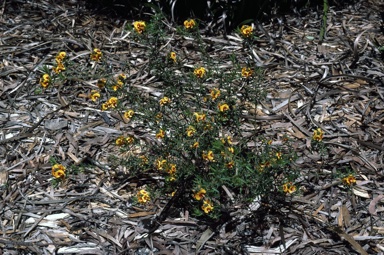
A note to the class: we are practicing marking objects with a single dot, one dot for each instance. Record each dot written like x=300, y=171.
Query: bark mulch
x=337, y=85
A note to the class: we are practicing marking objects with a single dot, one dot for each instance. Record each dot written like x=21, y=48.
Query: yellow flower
x=112, y=102
x=228, y=141
x=349, y=180
x=171, y=169
x=60, y=56
x=207, y=206
x=158, y=117
x=189, y=23
x=139, y=26
x=104, y=106
x=172, y=56
x=215, y=93
x=129, y=114
x=160, y=134
x=208, y=156
x=101, y=83
x=58, y=171
x=199, y=72
x=60, y=67
x=246, y=72
x=120, y=141
x=289, y=188
x=278, y=155
x=46, y=77
x=144, y=160
x=223, y=107
x=94, y=95
x=195, y=145
x=200, y=194
x=230, y=164
x=129, y=139
x=122, y=77
x=231, y=150
x=164, y=101
x=119, y=84
x=124, y=140
x=318, y=135
x=160, y=164
x=190, y=131
x=96, y=54
x=199, y=117
x=143, y=196
x=45, y=80
x=246, y=30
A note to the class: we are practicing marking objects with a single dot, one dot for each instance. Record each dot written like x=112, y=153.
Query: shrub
x=201, y=146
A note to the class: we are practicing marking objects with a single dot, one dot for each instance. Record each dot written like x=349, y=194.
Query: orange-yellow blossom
x=200, y=194
x=143, y=196
x=207, y=206
x=58, y=171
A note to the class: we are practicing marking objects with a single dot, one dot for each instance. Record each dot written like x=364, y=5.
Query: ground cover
x=336, y=86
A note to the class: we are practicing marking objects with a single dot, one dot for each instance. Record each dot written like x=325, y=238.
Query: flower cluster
x=160, y=134
x=169, y=168
x=111, y=103
x=45, y=80
x=124, y=140
x=215, y=93
x=129, y=114
x=318, y=135
x=190, y=131
x=246, y=30
x=199, y=116
x=223, y=107
x=228, y=152
x=199, y=72
x=59, y=62
x=189, y=23
x=200, y=194
x=246, y=72
x=143, y=196
x=94, y=96
x=96, y=55
x=349, y=180
x=207, y=206
x=119, y=82
x=58, y=171
x=208, y=156
x=160, y=163
x=289, y=188
x=139, y=26
x=164, y=101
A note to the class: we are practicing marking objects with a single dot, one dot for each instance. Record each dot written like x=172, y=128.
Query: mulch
x=337, y=85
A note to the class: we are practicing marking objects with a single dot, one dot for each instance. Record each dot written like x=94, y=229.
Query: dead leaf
x=346, y=216
x=372, y=205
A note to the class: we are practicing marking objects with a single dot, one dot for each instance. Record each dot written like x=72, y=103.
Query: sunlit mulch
x=337, y=86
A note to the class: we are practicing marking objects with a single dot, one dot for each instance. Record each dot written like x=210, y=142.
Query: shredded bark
x=337, y=85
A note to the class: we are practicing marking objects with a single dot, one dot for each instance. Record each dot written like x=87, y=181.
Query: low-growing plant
x=201, y=144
